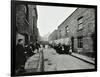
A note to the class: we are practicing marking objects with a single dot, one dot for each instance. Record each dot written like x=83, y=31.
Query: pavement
x=84, y=58
x=32, y=63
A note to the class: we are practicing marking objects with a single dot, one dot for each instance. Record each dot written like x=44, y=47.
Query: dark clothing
x=20, y=56
x=33, y=47
x=29, y=50
x=66, y=49
x=58, y=48
x=37, y=46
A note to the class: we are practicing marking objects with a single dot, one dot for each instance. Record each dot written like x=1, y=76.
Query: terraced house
x=79, y=27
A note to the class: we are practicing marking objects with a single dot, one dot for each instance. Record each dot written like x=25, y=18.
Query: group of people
x=23, y=52
x=62, y=48
x=30, y=49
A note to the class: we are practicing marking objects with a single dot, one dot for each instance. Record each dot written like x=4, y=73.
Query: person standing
x=20, y=57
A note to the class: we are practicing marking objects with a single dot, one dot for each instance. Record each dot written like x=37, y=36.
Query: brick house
x=80, y=28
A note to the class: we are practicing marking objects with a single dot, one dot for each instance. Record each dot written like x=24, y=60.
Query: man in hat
x=20, y=57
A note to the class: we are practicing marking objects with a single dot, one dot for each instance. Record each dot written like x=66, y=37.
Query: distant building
x=80, y=28
x=26, y=23
x=53, y=35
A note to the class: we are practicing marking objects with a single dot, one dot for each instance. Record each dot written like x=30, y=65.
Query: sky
x=50, y=17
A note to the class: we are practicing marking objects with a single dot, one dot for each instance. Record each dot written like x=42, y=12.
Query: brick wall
x=75, y=30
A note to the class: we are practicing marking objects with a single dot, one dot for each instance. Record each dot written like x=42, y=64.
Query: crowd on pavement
x=24, y=55
x=28, y=56
x=62, y=48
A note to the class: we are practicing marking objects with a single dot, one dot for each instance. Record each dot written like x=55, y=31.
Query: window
x=80, y=23
x=60, y=33
x=66, y=29
x=80, y=42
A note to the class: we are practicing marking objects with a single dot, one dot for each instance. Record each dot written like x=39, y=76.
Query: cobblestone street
x=56, y=62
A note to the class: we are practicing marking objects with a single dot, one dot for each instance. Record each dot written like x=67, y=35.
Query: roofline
x=68, y=17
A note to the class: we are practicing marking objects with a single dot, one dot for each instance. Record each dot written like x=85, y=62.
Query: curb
x=83, y=59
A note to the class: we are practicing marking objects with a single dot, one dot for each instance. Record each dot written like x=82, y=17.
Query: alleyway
x=56, y=62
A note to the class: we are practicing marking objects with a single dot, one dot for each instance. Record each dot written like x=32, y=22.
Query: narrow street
x=53, y=38
x=58, y=62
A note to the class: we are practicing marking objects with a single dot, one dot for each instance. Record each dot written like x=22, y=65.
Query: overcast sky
x=50, y=17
